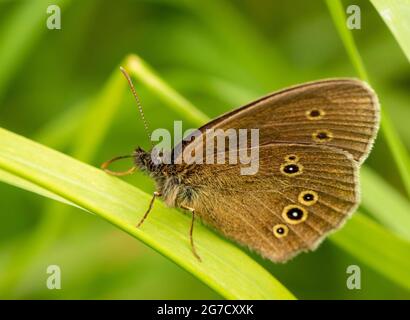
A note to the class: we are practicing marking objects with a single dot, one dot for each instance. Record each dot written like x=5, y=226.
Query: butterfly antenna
x=134, y=92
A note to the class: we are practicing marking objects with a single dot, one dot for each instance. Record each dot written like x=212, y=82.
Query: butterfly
x=313, y=138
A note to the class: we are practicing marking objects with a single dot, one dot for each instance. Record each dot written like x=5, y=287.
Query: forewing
x=341, y=113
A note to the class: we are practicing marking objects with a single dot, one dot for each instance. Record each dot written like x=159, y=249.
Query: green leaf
x=396, y=14
x=32, y=187
x=225, y=268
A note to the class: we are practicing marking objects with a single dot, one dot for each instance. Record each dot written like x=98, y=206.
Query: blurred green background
x=217, y=53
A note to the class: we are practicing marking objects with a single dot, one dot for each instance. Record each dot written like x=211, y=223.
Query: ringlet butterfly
x=313, y=138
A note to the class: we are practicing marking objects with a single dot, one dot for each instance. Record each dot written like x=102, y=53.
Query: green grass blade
x=398, y=149
x=337, y=12
x=84, y=144
x=367, y=241
x=385, y=203
x=396, y=15
x=121, y=204
x=11, y=179
x=56, y=134
x=396, y=146
x=362, y=238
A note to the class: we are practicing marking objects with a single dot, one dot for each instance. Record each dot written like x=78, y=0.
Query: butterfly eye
x=322, y=136
x=280, y=230
x=308, y=197
x=292, y=158
x=294, y=214
x=315, y=114
x=291, y=169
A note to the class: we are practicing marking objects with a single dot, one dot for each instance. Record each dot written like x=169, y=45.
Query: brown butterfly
x=312, y=139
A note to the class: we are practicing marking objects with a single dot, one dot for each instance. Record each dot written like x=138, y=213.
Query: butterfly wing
x=312, y=139
x=276, y=213
x=341, y=113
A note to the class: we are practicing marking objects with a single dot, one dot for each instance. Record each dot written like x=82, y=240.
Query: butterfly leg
x=156, y=194
x=191, y=231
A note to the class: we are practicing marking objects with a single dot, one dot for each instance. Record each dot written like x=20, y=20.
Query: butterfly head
x=142, y=160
